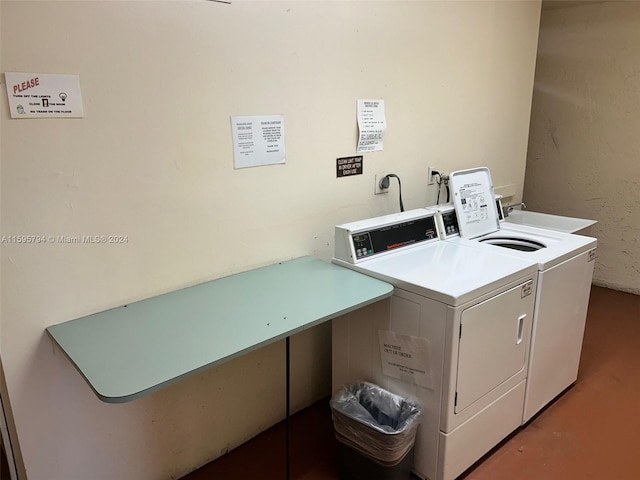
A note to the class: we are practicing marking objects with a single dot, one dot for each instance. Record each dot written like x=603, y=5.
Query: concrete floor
x=592, y=431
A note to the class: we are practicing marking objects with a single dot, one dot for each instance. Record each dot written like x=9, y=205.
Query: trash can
x=376, y=432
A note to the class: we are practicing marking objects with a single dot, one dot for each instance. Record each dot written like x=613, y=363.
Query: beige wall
x=152, y=159
x=584, y=147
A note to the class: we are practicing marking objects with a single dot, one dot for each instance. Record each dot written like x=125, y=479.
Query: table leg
x=287, y=422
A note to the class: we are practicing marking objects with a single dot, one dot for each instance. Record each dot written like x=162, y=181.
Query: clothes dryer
x=565, y=271
x=455, y=335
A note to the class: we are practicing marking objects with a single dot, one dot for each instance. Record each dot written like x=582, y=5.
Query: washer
x=565, y=271
x=455, y=334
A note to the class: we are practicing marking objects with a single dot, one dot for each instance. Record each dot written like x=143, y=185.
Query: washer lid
x=474, y=202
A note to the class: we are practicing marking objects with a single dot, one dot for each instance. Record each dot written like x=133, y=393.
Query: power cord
x=384, y=183
x=445, y=180
x=441, y=180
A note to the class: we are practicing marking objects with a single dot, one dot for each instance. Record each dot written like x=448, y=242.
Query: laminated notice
x=405, y=357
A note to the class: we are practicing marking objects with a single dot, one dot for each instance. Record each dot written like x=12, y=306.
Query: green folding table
x=136, y=349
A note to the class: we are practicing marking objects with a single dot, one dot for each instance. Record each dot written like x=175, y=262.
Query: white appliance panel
x=356, y=357
x=465, y=445
x=560, y=246
x=444, y=271
x=494, y=338
x=558, y=331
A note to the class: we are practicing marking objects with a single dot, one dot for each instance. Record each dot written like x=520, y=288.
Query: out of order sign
x=405, y=357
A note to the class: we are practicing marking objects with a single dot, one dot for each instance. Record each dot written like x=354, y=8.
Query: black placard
x=348, y=166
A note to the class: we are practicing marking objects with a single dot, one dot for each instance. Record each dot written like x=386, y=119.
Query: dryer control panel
x=359, y=241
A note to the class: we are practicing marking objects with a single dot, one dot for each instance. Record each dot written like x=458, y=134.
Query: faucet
x=509, y=208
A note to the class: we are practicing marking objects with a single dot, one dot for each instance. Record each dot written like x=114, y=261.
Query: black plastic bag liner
x=378, y=424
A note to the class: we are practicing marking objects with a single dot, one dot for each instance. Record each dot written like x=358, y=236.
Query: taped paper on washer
x=406, y=358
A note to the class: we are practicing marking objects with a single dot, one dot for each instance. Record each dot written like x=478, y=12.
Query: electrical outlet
x=378, y=190
x=430, y=176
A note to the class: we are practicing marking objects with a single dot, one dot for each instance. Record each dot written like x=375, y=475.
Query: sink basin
x=580, y=226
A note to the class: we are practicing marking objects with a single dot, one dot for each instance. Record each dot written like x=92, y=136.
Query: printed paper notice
x=258, y=140
x=371, y=124
x=473, y=198
x=38, y=95
x=405, y=357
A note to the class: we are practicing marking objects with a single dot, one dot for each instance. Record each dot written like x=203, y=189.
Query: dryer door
x=494, y=339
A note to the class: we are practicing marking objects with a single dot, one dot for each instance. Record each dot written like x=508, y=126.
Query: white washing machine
x=455, y=335
x=565, y=270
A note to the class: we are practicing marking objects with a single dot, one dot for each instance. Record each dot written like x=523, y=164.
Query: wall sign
x=258, y=140
x=348, y=166
x=44, y=95
x=372, y=124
